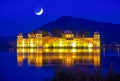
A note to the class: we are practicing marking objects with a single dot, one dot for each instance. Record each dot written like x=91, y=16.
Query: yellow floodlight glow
x=60, y=50
x=32, y=45
x=31, y=41
x=67, y=40
x=23, y=43
x=73, y=44
x=46, y=45
x=90, y=50
x=60, y=56
x=31, y=50
x=90, y=45
x=47, y=50
x=73, y=56
x=23, y=50
x=73, y=50
x=60, y=44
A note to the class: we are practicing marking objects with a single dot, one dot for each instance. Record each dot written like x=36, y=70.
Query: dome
x=49, y=33
x=20, y=34
x=67, y=32
x=96, y=33
x=38, y=32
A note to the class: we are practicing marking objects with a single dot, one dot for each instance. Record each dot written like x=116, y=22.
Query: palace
x=67, y=40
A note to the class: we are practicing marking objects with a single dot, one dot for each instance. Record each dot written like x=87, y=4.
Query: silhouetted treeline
x=65, y=75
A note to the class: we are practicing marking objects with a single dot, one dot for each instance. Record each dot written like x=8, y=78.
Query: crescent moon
x=40, y=12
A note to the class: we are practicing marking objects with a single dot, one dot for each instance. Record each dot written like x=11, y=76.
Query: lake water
x=25, y=64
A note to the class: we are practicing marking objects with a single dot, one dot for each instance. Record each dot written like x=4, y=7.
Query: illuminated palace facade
x=67, y=40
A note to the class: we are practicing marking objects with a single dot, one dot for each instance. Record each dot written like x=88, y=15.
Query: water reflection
x=107, y=49
x=58, y=57
x=118, y=51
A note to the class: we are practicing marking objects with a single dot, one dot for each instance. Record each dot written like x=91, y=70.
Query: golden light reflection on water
x=58, y=57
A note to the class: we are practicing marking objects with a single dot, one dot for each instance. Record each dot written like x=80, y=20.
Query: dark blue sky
x=19, y=15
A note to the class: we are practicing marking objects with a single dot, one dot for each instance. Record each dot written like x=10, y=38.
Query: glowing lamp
x=73, y=44
x=60, y=44
x=90, y=45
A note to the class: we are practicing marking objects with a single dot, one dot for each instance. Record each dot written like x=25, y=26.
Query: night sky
x=19, y=15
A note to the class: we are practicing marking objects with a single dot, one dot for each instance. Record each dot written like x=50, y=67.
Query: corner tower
x=20, y=40
x=96, y=39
